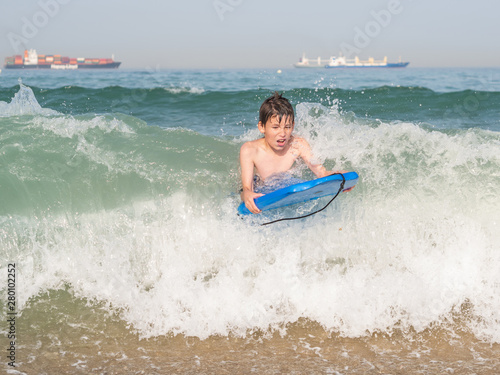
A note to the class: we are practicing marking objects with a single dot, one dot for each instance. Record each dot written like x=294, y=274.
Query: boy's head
x=276, y=122
x=276, y=105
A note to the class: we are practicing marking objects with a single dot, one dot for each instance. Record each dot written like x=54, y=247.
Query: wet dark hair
x=276, y=105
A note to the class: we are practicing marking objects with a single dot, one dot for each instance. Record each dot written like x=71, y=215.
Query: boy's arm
x=318, y=169
x=306, y=154
x=247, y=153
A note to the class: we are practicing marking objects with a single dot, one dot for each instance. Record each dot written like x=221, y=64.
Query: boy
x=276, y=152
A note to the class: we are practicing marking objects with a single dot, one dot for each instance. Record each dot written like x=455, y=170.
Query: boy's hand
x=248, y=197
x=333, y=172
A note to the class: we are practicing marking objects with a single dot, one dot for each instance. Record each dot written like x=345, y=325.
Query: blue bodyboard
x=302, y=192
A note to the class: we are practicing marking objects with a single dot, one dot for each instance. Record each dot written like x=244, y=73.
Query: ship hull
x=308, y=66
x=113, y=65
x=393, y=65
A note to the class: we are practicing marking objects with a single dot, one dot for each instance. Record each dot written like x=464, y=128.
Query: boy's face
x=277, y=133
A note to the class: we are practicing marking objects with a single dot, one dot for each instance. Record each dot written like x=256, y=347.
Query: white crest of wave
x=24, y=103
x=69, y=126
x=186, y=89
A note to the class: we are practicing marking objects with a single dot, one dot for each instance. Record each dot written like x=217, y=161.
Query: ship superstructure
x=343, y=62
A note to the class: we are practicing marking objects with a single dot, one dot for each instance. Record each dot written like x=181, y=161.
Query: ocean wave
x=138, y=213
x=181, y=106
x=99, y=201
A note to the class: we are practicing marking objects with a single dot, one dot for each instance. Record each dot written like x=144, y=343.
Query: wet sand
x=57, y=337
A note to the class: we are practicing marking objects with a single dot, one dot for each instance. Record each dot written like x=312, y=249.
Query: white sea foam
x=69, y=126
x=187, y=89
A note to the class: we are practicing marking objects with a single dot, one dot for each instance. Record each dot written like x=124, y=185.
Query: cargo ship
x=32, y=60
x=342, y=62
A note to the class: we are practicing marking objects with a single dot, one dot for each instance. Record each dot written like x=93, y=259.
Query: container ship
x=32, y=60
x=342, y=62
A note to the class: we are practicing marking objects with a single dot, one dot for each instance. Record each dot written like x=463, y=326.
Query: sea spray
x=24, y=103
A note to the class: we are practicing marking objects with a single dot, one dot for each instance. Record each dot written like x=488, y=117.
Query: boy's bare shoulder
x=300, y=144
x=299, y=140
x=251, y=147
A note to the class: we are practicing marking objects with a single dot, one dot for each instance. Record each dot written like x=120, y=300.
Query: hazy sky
x=254, y=33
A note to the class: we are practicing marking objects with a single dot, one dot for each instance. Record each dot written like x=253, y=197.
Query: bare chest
x=268, y=165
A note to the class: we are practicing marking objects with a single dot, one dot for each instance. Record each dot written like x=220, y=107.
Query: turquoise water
x=122, y=186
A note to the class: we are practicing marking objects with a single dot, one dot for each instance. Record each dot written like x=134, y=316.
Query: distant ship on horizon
x=343, y=62
x=32, y=60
